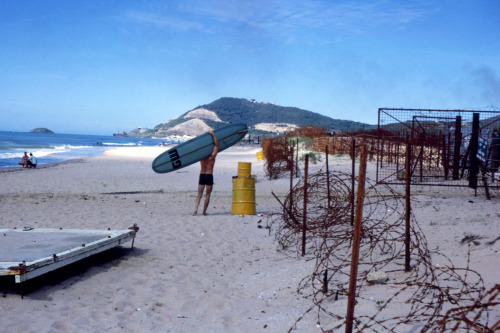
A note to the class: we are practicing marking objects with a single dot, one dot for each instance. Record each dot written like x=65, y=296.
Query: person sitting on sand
x=206, y=177
x=25, y=160
x=32, y=161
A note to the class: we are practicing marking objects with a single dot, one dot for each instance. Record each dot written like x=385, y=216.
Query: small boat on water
x=120, y=134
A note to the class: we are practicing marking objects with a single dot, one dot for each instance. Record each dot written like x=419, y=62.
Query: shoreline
x=43, y=166
x=116, y=151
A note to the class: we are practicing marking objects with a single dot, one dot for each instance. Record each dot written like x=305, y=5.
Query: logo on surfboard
x=175, y=159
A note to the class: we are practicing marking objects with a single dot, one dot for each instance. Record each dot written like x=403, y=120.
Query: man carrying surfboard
x=206, y=177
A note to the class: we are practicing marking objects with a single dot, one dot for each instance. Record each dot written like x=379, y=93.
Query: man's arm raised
x=216, y=144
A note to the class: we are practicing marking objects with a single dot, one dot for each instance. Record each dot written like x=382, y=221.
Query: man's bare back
x=207, y=165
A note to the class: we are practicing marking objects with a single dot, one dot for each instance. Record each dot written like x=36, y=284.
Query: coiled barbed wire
x=419, y=297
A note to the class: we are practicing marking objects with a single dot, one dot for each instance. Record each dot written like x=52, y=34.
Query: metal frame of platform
x=28, y=253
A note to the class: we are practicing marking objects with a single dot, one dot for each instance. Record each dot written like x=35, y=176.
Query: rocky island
x=41, y=130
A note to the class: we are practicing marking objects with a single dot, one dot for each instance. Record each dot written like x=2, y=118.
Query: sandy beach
x=215, y=273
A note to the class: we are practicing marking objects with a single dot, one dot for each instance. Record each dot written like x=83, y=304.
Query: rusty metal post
x=382, y=153
x=438, y=162
x=353, y=177
x=291, y=179
x=456, y=150
x=485, y=181
x=446, y=162
x=407, y=206
x=397, y=156
x=421, y=138
x=430, y=153
x=327, y=177
x=473, y=144
x=297, y=160
x=351, y=300
x=325, y=281
x=304, y=215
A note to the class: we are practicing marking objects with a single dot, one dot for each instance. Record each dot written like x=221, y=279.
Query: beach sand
x=215, y=273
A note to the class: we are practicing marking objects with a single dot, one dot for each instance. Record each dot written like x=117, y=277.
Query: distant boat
x=120, y=134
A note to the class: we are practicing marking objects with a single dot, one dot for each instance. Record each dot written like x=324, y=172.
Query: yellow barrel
x=260, y=157
x=244, y=169
x=243, y=196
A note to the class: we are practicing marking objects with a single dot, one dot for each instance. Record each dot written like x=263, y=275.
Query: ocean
x=52, y=148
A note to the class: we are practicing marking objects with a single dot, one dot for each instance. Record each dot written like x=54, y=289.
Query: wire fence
x=430, y=296
x=445, y=146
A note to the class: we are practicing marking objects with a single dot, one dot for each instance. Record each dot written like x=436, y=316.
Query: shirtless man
x=24, y=161
x=206, y=177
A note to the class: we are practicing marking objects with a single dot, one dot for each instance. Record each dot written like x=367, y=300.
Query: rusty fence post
x=351, y=300
x=297, y=160
x=473, y=145
x=421, y=156
x=397, y=156
x=438, y=147
x=353, y=177
x=407, y=206
x=304, y=215
x=327, y=177
x=291, y=179
x=445, y=157
x=382, y=154
x=456, y=148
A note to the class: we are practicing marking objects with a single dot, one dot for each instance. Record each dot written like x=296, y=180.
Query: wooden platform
x=27, y=253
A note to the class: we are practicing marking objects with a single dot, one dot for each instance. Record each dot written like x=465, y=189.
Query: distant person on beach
x=25, y=160
x=206, y=177
x=32, y=161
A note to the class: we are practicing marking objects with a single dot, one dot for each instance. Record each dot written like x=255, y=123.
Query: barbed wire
x=421, y=296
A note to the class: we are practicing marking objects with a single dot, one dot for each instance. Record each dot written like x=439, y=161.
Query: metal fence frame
x=440, y=154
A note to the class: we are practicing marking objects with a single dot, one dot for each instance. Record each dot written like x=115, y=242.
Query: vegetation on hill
x=252, y=113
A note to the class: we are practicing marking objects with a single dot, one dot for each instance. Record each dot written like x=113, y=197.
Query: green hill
x=252, y=113
x=260, y=117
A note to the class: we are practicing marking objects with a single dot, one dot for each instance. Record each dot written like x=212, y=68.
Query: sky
x=101, y=66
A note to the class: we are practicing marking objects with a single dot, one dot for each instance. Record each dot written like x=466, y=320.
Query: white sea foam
x=71, y=147
x=11, y=155
x=121, y=144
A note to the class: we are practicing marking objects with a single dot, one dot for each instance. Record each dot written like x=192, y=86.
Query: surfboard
x=198, y=148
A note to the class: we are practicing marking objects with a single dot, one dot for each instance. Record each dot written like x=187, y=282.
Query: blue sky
x=95, y=67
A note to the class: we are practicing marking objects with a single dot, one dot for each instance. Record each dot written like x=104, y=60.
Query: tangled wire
x=422, y=298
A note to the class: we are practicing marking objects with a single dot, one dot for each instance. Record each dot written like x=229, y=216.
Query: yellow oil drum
x=260, y=156
x=244, y=169
x=243, y=196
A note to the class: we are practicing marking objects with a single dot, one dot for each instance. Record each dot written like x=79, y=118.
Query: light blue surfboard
x=198, y=148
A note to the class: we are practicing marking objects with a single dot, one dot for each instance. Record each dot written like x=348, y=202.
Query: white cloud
x=163, y=21
x=283, y=18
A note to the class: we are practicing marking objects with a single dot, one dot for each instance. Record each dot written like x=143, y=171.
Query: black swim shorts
x=206, y=179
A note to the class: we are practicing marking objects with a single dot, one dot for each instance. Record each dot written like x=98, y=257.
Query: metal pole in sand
x=351, y=300
x=327, y=176
x=297, y=160
x=407, y=206
x=353, y=177
x=291, y=178
x=304, y=215
x=456, y=147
